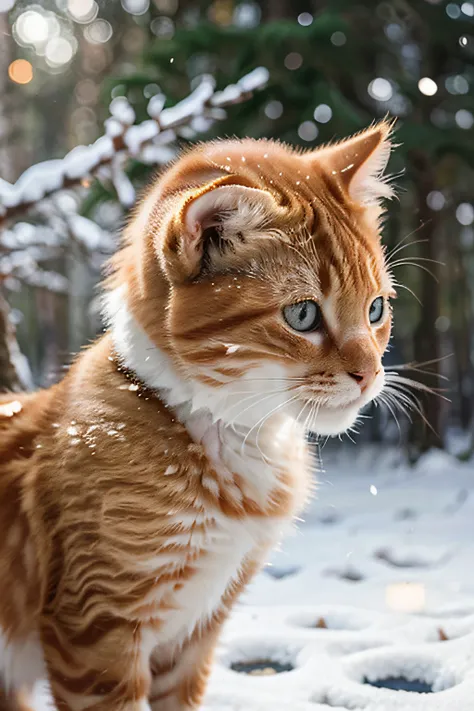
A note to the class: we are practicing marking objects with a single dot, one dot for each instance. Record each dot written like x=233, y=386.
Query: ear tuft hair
x=359, y=163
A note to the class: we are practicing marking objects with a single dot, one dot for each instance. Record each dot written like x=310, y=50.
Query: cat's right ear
x=212, y=220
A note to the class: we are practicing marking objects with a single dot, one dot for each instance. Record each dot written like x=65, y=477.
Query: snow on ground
x=377, y=585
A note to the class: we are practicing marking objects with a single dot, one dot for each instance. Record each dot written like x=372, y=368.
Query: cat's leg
x=179, y=681
x=105, y=667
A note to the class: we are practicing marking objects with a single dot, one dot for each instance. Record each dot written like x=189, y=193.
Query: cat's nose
x=363, y=378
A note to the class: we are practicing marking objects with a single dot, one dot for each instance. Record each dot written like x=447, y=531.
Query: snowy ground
x=377, y=584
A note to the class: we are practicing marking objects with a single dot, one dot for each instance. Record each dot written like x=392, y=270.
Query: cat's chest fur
x=231, y=544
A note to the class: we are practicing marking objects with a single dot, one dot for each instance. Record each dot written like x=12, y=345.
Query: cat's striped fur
x=141, y=494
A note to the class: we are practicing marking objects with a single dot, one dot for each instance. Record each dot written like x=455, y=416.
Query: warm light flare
x=20, y=71
x=405, y=597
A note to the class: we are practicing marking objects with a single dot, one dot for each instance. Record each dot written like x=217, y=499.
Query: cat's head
x=276, y=290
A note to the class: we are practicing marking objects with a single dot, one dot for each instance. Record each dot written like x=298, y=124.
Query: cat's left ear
x=359, y=163
x=215, y=220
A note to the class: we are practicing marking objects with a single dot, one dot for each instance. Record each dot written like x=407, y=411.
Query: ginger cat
x=140, y=495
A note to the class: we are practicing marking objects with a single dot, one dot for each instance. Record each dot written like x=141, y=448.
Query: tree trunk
x=460, y=317
x=427, y=433
x=14, y=371
x=13, y=366
x=7, y=167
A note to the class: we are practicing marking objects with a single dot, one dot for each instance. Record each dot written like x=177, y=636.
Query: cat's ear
x=359, y=163
x=215, y=220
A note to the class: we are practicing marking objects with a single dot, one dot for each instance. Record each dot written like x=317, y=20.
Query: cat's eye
x=376, y=310
x=303, y=316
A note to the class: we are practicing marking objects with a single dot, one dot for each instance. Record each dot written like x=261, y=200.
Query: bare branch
x=150, y=141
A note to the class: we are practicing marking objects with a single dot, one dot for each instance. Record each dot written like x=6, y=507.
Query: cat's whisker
x=263, y=398
x=416, y=369
x=413, y=364
x=262, y=422
x=401, y=247
x=303, y=408
x=399, y=285
x=312, y=415
x=420, y=266
x=264, y=418
x=383, y=397
x=282, y=380
x=414, y=403
x=395, y=379
x=415, y=259
x=403, y=403
x=348, y=435
x=407, y=236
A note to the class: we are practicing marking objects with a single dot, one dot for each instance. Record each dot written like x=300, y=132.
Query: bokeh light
x=98, y=32
x=380, y=89
x=87, y=92
x=31, y=28
x=6, y=5
x=338, y=39
x=457, y=84
x=48, y=34
x=435, y=200
x=465, y=213
x=20, y=71
x=305, y=19
x=136, y=7
x=221, y=12
x=293, y=60
x=442, y=324
x=59, y=51
x=274, y=109
x=162, y=27
x=83, y=11
x=464, y=119
x=247, y=14
x=453, y=11
x=308, y=131
x=322, y=113
x=394, y=32
x=427, y=86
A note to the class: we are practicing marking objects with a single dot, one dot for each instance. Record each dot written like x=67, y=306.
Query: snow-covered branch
x=153, y=141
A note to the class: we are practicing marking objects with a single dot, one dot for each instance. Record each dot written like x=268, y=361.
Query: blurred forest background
x=66, y=66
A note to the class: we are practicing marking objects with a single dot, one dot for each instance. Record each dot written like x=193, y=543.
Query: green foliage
x=342, y=51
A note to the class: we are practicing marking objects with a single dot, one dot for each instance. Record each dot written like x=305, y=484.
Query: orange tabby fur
x=142, y=493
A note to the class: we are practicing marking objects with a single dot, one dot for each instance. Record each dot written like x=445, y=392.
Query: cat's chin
x=332, y=421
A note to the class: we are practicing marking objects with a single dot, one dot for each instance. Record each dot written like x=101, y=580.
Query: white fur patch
x=21, y=662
